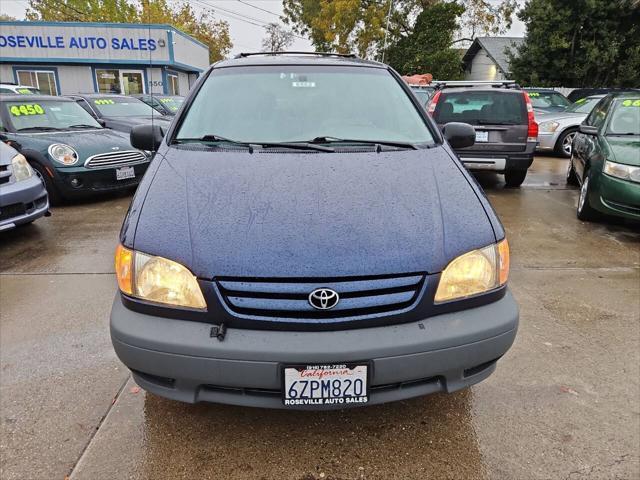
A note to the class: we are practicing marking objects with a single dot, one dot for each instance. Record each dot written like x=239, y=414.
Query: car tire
x=572, y=178
x=563, y=145
x=55, y=197
x=585, y=211
x=514, y=178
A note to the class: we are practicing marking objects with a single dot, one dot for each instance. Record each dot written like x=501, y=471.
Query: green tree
x=361, y=25
x=213, y=33
x=582, y=43
x=428, y=48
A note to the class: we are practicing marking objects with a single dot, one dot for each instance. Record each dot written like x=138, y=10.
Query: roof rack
x=319, y=54
x=439, y=84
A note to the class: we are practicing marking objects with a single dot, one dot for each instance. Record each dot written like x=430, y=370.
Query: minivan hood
x=294, y=214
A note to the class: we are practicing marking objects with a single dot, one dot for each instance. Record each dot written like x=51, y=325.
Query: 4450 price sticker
x=26, y=109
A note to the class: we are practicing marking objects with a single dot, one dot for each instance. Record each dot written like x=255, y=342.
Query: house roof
x=496, y=48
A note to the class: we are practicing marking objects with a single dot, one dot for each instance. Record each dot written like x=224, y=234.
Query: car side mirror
x=101, y=122
x=588, y=129
x=146, y=137
x=459, y=135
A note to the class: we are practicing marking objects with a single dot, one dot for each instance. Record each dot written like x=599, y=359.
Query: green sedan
x=605, y=159
x=72, y=153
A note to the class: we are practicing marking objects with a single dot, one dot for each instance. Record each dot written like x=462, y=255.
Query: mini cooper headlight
x=157, y=279
x=21, y=168
x=620, y=170
x=548, y=127
x=63, y=153
x=475, y=272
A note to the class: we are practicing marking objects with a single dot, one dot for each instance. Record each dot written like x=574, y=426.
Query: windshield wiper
x=330, y=139
x=214, y=138
x=38, y=129
x=83, y=125
x=250, y=145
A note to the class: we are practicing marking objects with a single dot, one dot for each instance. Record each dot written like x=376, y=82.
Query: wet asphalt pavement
x=564, y=402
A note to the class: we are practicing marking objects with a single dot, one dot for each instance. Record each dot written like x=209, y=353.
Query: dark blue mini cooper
x=307, y=238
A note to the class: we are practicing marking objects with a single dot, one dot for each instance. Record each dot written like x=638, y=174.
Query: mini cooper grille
x=115, y=159
x=284, y=299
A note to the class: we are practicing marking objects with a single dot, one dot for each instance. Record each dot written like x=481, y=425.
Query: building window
x=127, y=82
x=43, y=80
x=173, y=88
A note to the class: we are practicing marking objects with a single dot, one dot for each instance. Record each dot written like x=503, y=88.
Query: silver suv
x=502, y=115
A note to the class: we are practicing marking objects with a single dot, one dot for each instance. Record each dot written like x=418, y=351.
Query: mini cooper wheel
x=585, y=211
x=55, y=197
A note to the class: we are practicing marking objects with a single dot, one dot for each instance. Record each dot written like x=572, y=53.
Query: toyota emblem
x=323, y=298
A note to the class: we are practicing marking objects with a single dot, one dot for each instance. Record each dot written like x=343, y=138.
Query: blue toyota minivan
x=306, y=238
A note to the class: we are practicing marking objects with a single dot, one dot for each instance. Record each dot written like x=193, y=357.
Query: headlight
x=21, y=168
x=475, y=272
x=63, y=153
x=619, y=170
x=157, y=279
x=548, y=127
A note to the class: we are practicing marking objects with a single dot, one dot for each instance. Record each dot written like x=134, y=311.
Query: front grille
x=13, y=210
x=115, y=159
x=5, y=173
x=275, y=299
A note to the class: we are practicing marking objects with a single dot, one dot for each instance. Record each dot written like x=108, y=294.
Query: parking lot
x=562, y=404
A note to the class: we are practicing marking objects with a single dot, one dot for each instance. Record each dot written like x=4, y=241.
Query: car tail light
x=532, y=130
x=434, y=102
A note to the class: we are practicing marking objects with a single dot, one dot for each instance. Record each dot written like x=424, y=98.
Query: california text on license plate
x=341, y=384
x=482, y=136
x=123, y=173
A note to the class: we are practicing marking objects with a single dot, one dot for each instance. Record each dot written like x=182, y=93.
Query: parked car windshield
x=121, y=107
x=300, y=103
x=481, y=107
x=625, y=117
x=584, y=105
x=48, y=114
x=548, y=99
x=170, y=103
x=423, y=94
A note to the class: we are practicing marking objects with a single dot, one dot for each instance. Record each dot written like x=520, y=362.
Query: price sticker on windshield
x=533, y=94
x=26, y=109
x=24, y=91
x=631, y=103
x=104, y=101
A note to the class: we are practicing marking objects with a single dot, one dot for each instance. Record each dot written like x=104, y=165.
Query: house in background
x=486, y=58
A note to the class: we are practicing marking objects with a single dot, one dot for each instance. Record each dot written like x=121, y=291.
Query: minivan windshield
x=33, y=115
x=300, y=103
x=112, y=106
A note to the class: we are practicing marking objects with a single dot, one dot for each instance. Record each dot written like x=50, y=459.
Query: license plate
x=123, y=173
x=318, y=385
x=482, y=136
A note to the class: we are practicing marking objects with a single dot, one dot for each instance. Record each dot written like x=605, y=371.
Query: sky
x=246, y=19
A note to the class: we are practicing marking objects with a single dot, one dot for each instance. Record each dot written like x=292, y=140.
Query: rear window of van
x=481, y=108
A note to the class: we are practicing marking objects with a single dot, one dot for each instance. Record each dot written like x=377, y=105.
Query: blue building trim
x=76, y=61
x=43, y=68
x=152, y=26
x=172, y=57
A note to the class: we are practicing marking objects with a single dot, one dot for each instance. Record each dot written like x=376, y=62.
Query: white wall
x=483, y=68
x=190, y=53
x=6, y=74
x=154, y=81
x=74, y=79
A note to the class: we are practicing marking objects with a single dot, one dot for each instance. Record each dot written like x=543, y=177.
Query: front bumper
x=22, y=202
x=95, y=180
x=178, y=359
x=547, y=141
x=614, y=196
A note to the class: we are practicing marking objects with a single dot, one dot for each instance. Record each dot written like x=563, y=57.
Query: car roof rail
x=318, y=54
x=440, y=84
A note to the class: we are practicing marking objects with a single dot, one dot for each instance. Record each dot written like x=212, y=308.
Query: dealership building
x=62, y=58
